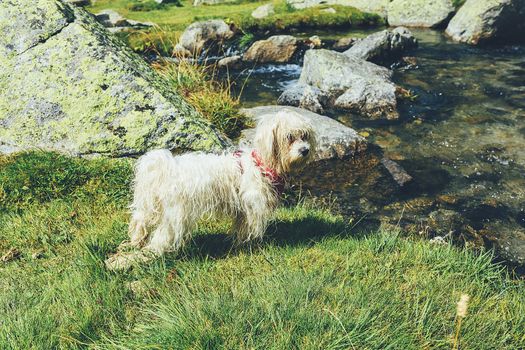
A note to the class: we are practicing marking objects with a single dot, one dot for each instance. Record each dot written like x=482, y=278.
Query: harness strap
x=276, y=180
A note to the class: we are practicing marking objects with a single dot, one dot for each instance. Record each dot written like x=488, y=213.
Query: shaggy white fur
x=171, y=193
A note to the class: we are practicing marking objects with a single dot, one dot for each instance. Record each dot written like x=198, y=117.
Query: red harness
x=275, y=179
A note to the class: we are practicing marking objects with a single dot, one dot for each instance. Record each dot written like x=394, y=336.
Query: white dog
x=171, y=193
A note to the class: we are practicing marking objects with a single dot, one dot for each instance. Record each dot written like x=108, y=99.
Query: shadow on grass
x=298, y=232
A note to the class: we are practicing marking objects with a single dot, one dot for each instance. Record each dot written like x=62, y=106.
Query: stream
x=461, y=139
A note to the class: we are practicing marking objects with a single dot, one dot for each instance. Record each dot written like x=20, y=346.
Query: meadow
x=316, y=282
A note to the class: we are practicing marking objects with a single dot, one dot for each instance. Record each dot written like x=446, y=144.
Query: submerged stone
x=69, y=85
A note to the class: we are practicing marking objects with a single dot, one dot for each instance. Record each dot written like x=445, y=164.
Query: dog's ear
x=266, y=140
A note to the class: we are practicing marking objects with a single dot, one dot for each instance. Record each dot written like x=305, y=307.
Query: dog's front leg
x=170, y=233
x=252, y=222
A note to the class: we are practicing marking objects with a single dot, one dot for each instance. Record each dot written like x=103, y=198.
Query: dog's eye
x=304, y=136
x=290, y=138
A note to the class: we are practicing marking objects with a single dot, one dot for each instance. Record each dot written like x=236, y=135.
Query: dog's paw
x=123, y=261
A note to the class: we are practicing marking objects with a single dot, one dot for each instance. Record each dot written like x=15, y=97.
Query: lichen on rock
x=69, y=85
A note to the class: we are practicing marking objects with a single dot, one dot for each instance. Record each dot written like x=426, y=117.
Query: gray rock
x=482, y=20
x=334, y=140
x=68, y=85
x=349, y=83
x=198, y=35
x=304, y=96
x=230, y=62
x=374, y=6
x=382, y=45
x=113, y=20
x=398, y=173
x=263, y=11
x=277, y=48
x=344, y=43
x=180, y=51
x=419, y=13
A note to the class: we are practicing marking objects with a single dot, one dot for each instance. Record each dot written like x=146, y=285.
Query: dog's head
x=285, y=141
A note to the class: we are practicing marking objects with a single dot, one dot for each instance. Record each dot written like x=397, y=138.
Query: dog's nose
x=304, y=151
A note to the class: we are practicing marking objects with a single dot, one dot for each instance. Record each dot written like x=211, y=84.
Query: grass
x=213, y=99
x=458, y=3
x=315, y=283
x=172, y=20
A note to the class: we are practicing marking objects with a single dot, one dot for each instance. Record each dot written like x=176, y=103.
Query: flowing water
x=462, y=140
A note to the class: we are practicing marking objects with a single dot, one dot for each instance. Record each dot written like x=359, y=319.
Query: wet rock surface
x=478, y=21
x=384, y=45
x=350, y=83
x=277, y=48
x=334, y=140
x=69, y=85
x=304, y=96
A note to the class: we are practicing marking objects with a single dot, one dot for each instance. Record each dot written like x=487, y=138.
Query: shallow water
x=462, y=140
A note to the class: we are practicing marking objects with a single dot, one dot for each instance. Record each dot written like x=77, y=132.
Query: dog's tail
x=152, y=173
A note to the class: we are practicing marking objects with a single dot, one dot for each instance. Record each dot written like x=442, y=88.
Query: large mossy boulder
x=419, y=13
x=334, y=80
x=69, y=85
x=478, y=21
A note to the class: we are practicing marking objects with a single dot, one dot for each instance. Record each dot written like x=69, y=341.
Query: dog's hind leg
x=170, y=233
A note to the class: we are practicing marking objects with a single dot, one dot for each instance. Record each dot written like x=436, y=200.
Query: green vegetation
x=315, y=283
x=172, y=20
x=458, y=3
x=211, y=98
x=151, y=5
x=285, y=19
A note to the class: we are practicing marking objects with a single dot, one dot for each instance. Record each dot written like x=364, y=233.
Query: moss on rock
x=69, y=85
